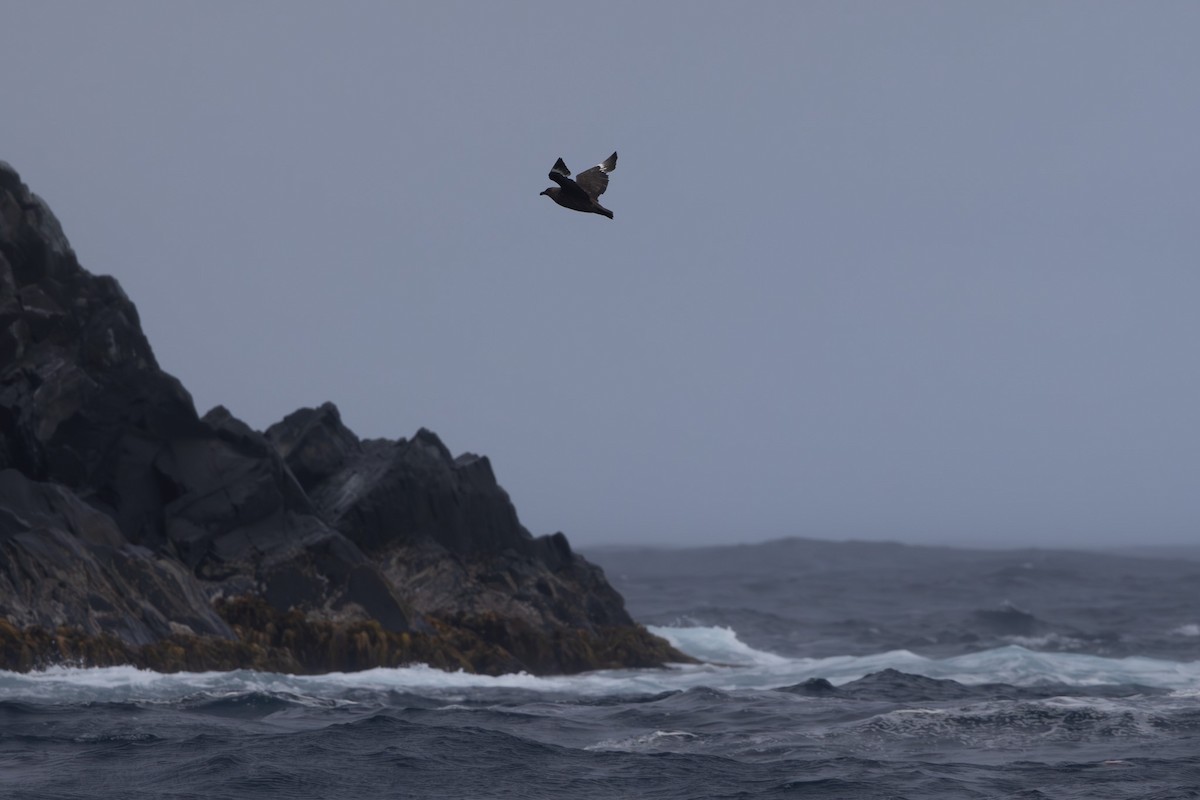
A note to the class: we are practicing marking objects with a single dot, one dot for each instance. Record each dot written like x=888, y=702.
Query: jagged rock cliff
x=133, y=530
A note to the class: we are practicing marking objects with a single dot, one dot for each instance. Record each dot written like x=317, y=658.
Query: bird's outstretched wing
x=562, y=176
x=594, y=180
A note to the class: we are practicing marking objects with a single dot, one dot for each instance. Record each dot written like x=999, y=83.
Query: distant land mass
x=135, y=531
x=1185, y=552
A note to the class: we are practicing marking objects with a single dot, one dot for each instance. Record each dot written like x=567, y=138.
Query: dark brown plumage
x=581, y=194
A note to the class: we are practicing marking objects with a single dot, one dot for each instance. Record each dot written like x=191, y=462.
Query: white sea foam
x=717, y=645
x=1054, y=640
x=730, y=664
x=658, y=740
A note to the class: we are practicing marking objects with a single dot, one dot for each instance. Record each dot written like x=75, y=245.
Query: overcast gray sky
x=926, y=271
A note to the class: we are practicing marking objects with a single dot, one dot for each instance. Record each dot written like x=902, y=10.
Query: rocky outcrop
x=64, y=560
x=133, y=530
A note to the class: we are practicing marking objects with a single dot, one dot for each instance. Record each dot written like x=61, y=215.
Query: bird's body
x=583, y=193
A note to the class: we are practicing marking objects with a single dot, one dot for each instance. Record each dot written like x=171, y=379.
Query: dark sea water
x=833, y=671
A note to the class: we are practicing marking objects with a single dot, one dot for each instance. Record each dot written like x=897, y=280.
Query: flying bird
x=583, y=193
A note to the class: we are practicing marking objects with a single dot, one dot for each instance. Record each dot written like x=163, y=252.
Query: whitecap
x=657, y=740
x=727, y=664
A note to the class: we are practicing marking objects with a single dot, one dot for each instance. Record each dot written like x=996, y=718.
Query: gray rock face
x=123, y=512
x=62, y=562
x=445, y=532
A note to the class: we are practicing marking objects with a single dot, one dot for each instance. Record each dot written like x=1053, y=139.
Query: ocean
x=829, y=670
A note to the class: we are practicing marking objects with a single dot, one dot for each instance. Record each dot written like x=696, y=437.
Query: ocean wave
x=728, y=664
x=656, y=741
x=717, y=645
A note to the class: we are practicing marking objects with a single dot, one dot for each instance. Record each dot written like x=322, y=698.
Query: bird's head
x=549, y=192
